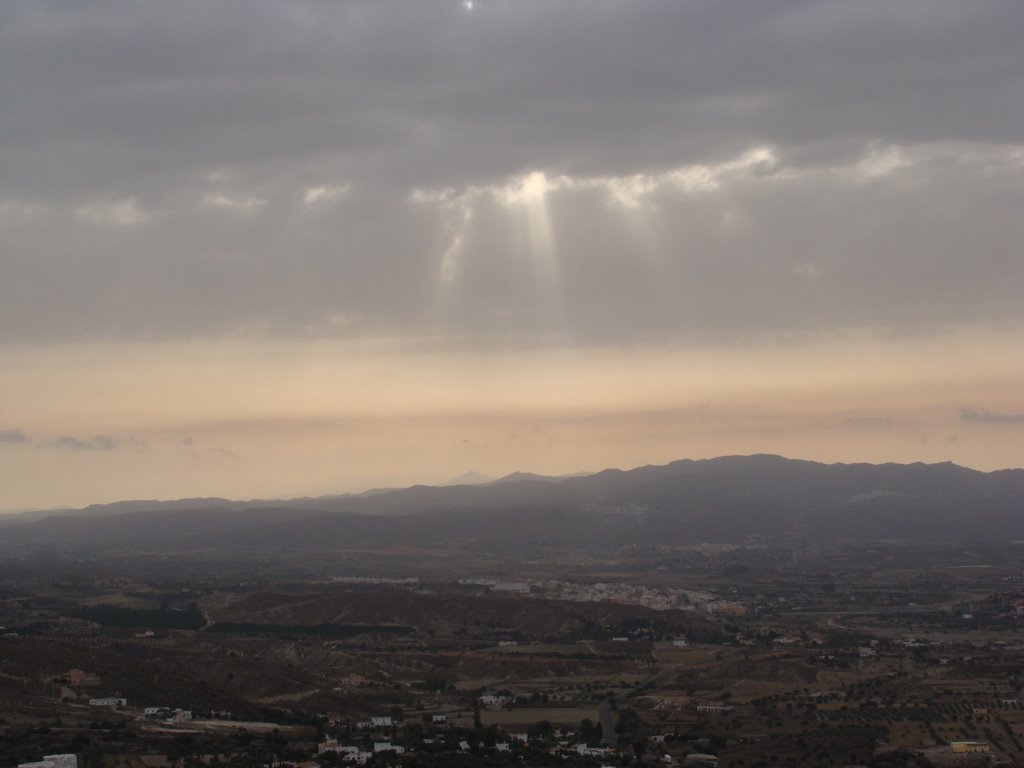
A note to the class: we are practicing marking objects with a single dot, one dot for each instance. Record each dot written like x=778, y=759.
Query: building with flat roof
x=961, y=747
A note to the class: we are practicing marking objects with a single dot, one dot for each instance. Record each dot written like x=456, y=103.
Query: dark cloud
x=97, y=443
x=191, y=169
x=15, y=436
x=990, y=417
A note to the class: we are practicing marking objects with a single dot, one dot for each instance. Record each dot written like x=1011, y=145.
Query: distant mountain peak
x=471, y=478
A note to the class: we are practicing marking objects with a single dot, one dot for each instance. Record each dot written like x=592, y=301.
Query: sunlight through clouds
x=324, y=194
x=116, y=213
x=529, y=195
x=500, y=188
x=527, y=200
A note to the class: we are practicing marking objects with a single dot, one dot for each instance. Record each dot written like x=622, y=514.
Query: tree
x=590, y=732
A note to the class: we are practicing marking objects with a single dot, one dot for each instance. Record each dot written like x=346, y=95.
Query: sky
x=262, y=248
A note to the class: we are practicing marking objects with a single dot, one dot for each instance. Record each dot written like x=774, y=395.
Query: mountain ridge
x=727, y=499
x=330, y=500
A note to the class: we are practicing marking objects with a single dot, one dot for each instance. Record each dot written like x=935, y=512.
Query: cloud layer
x=262, y=247
x=985, y=416
x=591, y=172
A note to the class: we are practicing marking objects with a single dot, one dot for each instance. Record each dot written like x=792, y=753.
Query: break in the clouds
x=990, y=417
x=517, y=172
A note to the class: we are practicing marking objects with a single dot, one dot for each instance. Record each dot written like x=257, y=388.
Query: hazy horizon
x=264, y=250
x=469, y=477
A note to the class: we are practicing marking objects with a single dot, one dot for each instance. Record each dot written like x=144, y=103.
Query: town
x=876, y=654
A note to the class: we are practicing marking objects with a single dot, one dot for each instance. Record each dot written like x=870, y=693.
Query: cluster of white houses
x=358, y=756
x=355, y=755
x=493, y=700
x=164, y=714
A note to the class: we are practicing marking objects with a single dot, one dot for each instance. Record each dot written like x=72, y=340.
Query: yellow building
x=969, y=746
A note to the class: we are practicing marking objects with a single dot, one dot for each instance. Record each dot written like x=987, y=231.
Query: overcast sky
x=274, y=248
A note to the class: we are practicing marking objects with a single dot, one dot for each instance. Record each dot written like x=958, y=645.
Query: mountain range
x=730, y=499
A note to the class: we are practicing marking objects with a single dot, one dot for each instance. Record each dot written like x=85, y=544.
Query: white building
x=387, y=746
x=53, y=761
x=381, y=722
x=712, y=707
x=701, y=760
x=327, y=745
x=585, y=751
x=108, y=702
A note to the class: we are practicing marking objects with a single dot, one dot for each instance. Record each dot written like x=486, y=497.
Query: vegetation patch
x=315, y=630
x=148, y=618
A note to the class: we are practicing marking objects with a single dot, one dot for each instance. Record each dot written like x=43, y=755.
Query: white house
x=701, y=760
x=327, y=745
x=712, y=707
x=53, y=761
x=108, y=702
x=585, y=751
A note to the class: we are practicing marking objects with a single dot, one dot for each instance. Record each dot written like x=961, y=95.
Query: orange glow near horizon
x=248, y=419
